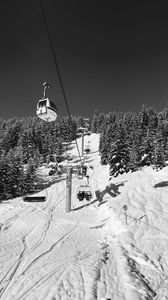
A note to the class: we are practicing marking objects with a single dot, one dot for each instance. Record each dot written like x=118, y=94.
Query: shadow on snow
x=112, y=190
x=161, y=184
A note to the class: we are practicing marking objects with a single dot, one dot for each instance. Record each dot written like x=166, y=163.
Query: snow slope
x=98, y=250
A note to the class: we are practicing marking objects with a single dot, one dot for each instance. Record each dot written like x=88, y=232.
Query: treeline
x=129, y=141
x=27, y=143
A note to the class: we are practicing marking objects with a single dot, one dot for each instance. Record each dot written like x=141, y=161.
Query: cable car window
x=42, y=103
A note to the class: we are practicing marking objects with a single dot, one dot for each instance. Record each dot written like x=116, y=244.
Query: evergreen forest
x=128, y=142
x=27, y=143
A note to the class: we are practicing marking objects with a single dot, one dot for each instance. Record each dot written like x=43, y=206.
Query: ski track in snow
x=90, y=253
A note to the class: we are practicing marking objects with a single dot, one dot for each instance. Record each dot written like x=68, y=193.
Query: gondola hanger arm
x=46, y=86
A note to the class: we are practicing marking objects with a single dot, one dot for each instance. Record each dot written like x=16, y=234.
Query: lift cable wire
x=149, y=225
x=58, y=73
x=153, y=207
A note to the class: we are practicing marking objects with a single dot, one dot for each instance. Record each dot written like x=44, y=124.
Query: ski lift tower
x=80, y=133
x=68, y=189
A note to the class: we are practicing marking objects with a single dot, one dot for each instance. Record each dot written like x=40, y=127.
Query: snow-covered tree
x=11, y=173
x=119, y=156
x=30, y=178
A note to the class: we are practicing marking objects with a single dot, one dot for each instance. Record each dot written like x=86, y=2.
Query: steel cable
x=58, y=73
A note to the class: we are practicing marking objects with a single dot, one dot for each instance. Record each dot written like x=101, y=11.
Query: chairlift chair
x=79, y=134
x=87, y=150
x=80, y=195
x=59, y=158
x=87, y=147
x=70, y=158
x=81, y=171
x=81, y=130
x=88, y=195
x=84, y=170
x=84, y=191
x=34, y=198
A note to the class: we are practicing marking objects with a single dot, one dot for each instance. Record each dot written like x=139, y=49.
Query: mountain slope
x=94, y=252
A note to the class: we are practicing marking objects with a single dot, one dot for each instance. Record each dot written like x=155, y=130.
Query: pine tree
x=148, y=147
x=13, y=134
x=103, y=150
x=143, y=118
x=119, y=156
x=94, y=124
x=135, y=156
x=107, y=136
x=27, y=145
x=11, y=172
x=158, y=159
x=30, y=178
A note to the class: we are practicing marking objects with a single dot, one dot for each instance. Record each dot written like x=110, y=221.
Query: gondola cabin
x=46, y=110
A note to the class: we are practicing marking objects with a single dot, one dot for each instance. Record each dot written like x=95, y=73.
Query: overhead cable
x=155, y=228
x=58, y=72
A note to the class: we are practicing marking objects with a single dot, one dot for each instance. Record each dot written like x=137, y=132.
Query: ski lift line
x=155, y=228
x=165, y=218
x=163, y=211
x=58, y=71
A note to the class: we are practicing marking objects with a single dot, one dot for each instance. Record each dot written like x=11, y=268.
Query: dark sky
x=113, y=55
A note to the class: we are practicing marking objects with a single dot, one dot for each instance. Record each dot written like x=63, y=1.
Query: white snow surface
x=96, y=251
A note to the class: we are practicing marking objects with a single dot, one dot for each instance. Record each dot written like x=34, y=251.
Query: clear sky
x=113, y=55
